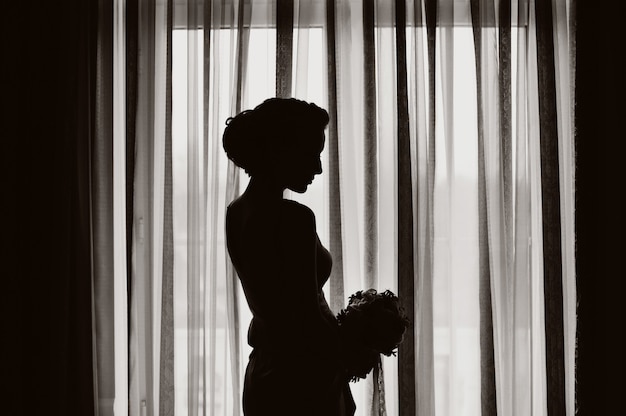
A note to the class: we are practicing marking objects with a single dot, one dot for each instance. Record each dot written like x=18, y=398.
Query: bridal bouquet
x=372, y=324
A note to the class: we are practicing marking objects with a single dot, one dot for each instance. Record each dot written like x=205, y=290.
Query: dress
x=293, y=368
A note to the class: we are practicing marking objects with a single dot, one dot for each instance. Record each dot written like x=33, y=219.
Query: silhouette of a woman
x=294, y=368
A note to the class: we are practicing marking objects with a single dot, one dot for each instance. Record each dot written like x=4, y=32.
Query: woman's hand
x=357, y=358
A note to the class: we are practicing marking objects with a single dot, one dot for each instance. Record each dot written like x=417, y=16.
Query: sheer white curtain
x=511, y=185
x=208, y=333
x=415, y=86
x=527, y=176
x=150, y=359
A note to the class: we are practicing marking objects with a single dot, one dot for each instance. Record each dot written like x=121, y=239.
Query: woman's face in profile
x=299, y=165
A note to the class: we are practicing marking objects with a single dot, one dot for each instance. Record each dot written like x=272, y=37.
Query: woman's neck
x=262, y=190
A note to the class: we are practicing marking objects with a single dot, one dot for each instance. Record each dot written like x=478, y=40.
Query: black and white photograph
x=313, y=208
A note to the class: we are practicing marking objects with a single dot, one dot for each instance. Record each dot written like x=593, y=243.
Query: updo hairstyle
x=276, y=125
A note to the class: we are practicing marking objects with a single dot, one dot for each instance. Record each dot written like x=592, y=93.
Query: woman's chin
x=300, y=189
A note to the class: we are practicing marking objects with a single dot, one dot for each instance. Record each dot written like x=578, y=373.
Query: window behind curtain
x=456, y=319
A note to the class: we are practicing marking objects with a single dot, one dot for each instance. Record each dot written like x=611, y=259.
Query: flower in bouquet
x=372, y=324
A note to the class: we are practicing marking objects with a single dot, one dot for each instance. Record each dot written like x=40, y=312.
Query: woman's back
x=281, y=266
x=253, y=244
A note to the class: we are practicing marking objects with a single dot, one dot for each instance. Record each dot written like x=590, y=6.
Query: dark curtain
x=551, y=212
x=48, y=112
x=600, y=207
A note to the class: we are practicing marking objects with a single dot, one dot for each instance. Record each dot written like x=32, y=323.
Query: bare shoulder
x=297, y=214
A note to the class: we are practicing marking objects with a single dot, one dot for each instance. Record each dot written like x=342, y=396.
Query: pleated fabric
x=151, y=324
x=472, y=227
x=524, y=283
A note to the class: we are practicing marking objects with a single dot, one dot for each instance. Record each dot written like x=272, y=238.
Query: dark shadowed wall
x=601, y=210
x=48, y=86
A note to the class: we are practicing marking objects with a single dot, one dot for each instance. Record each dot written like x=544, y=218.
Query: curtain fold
x=120, y=314
x=284, y=47
x=337, y=294
x=482, y=37
x=102, y=214
x=406, y=261
x=425, y=43
x=522, y=271
x=151, y=334
x=131, y=77
x=551, y=210
x=140, y=364
x=196, y=214
x=370, y=146
x=371, y=67
x=563, y=24
x=419, y=114
x=537, y=319
x=166, y=363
